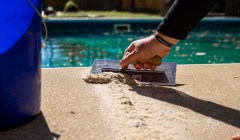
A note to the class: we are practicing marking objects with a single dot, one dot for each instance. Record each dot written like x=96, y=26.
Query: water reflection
x=201, y=46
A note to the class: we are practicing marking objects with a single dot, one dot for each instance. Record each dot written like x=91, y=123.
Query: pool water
x=203, y=46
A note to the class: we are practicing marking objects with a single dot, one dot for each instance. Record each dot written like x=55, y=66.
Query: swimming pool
x=77, y=42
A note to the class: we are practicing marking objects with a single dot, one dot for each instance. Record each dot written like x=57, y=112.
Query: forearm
x=183, y=16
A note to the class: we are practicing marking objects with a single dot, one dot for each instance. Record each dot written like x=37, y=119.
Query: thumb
x=129, y=58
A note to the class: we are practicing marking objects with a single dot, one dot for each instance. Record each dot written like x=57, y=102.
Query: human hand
x=145, y=53
x=150, y=63
x=236, y=137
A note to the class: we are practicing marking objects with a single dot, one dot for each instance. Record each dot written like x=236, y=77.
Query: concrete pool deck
x=205, y=104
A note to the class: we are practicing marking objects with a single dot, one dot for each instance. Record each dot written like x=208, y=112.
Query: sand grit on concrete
x=203, y=105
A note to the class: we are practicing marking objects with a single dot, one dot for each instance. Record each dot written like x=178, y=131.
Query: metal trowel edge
x=164, y=75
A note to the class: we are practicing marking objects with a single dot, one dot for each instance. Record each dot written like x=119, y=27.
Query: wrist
x=168, y=39
x=159, y=48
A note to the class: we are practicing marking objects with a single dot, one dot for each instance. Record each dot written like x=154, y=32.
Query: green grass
x=109, y=14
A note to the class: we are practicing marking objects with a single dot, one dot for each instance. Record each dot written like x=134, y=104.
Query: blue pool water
x=77, y=43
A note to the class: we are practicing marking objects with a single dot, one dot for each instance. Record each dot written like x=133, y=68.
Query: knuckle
x=133, y=44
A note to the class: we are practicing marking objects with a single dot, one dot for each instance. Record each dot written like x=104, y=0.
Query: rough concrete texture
x=205, y=104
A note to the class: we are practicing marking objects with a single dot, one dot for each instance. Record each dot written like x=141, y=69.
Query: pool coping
x=177, y=65
x=73, y=19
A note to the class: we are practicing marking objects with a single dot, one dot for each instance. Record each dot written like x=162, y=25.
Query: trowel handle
x=156, y=60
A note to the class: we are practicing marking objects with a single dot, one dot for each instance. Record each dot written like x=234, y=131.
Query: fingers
x=145, y=66
x=156, y=60
x=132, y=57
x=236, y=137
x=149, y=64
x=153, y=67
x=138, y=66
x=130, y=48
x=128, y=59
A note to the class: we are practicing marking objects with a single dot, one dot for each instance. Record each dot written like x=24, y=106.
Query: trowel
x=164, y=75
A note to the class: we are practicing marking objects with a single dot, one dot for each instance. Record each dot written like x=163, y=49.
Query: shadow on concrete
x=207, y=108
x=36, y=129
x=179, y=85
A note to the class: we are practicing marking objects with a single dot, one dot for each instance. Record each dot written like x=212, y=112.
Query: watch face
x=15, y=19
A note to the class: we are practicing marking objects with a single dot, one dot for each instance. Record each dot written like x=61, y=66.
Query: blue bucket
x=20, y=63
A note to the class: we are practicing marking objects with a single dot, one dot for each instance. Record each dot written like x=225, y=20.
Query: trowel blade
x=165, y=74
x=132, y=71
